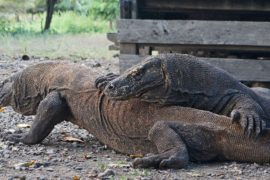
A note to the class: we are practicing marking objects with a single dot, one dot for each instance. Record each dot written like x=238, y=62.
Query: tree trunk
x=50, y=9
x=111, y=24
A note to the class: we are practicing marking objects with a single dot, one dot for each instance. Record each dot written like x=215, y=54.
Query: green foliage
x=63, y=22
x=79, y=6
x=105, y=9
x=71, y=22
x=16, y=6
x=71, y=16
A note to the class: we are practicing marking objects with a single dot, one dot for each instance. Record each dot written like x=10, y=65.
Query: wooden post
x=126, y=9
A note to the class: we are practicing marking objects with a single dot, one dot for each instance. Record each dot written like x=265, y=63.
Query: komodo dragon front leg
x=51, y=111
x=248, y=113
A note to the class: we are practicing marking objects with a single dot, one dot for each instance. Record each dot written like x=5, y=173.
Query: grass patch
x=65, y=46
x=62, y=23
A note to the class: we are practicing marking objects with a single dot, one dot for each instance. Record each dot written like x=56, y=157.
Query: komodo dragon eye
x=136, y=74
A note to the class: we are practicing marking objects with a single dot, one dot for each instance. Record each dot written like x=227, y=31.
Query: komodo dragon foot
x=51, y=111
x=250, y=122
x=172, y=150
x=102, y=81
x=249, y=114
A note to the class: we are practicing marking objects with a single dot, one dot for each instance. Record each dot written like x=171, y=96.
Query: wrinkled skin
x=175, y=79
x=263, y=92
x=171, y=135
x=5, y=92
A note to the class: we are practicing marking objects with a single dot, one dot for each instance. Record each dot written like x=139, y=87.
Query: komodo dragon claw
x=160, y=161
x=249, y=122
x=102, y=81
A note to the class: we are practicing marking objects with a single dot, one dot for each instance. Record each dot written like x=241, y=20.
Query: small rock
x=50, y=151
x=50, y=169
x=145, y=178
x=126, y=170
x=55, y=160
x=25, y=57
x=106, y=173
x=11, y=130
x=75, y=144
x=42, y=178
x=95, y=64
x=20, y=177
x=93, y=173
x=78, y=168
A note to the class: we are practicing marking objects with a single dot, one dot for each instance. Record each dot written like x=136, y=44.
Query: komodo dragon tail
x=6, y=91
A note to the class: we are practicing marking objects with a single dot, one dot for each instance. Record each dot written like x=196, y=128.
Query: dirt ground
x=61, y=157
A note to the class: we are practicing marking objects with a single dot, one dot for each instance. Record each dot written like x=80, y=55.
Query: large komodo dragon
x=174, y=134
x=179, y=79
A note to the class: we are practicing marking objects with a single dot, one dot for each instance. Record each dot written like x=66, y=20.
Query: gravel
x=59, y=159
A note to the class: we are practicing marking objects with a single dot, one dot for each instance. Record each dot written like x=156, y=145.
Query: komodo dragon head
x=6, y=92
x=138, y=80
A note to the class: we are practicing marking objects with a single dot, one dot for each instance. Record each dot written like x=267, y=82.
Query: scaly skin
x=176, y=135
x=176, y=79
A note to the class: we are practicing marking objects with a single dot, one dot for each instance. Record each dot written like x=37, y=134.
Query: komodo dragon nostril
x=110, y=87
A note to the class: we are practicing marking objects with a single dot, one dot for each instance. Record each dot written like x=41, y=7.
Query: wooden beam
x=126, y=9
x=112, y=37
x=242, y=69
x=128, y=60
x=228, y=5
x=134, y=9
x=191, y=32
x=128, y=49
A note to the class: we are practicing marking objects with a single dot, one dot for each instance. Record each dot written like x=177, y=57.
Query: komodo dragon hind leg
x=102, y=81
x=172, y=150
x=51, y=111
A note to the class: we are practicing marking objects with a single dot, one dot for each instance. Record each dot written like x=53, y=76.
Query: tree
x=49, y=15
x=105, y=9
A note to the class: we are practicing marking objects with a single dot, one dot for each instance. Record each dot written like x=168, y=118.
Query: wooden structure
x=231, y=34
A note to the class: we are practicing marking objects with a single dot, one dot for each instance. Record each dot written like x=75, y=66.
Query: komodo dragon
x=178, y=79
x=262, y=92
x=176, y=135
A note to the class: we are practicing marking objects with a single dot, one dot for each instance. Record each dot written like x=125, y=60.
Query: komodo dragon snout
x=5, y=92
x=136, y=81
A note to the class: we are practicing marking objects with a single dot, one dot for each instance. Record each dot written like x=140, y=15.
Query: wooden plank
x=144, y=50
x=114, y=48
x=228, y=5
x=242, y=69
x=189, y=47
x=128, y=49
x=128, y=60
x=126, y=9
x=191, y=32
x=134, y=9
x=112, y=37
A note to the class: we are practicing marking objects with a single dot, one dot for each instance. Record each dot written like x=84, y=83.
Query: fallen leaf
x=75, y=178
x=72, y=139
x=23, y=125
x=2, y=109
x=30, y=163
x=88, y=156
x=194, y=174
x=26, y=164
x=133, y=156
x=119, y=165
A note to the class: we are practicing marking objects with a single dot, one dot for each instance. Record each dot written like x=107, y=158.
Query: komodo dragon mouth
x=117, y=92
